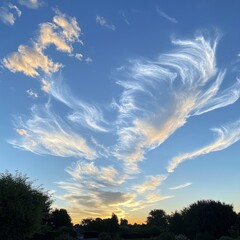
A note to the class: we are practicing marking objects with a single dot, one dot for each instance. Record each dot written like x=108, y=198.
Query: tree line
x=203, y=220
x=26, y=214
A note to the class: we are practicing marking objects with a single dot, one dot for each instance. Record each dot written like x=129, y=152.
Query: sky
x=122, y=106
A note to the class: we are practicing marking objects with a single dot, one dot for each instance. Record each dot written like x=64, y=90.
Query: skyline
x=122, y=107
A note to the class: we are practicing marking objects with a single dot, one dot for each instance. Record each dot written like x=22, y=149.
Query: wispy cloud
x=181, y=186
x=104, y=23
x=46, y=133
x=166, y=16
x=83, y=114
x=22, y=132
x=162, y=94
x=31, y=93
x=226, y=136
x=92, y=191
x=34, y=4
x=9, y=13
x=122, y=13
x=158, y=97
x=88, y=60
x=95, y=191
x=150, y=184
x=31, y=60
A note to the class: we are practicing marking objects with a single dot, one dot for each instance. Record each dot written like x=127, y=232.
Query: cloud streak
x=9, y=13
x=166, y=16
x=46, y=133
x=150, y=184
x=83, y=114
x=181, y=186
x=226, y=136
x=104, y=23
x=161, y=95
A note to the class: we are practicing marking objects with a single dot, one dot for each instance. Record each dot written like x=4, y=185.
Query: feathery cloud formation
x=161, y=95
x=226, y=136
x=158, y=97
x=46, y=133
x=104, y=23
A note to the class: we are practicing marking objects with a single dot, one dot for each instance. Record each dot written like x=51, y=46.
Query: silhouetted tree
x=158, y=218
x=22, y=207
x=123, y=222
x=114, y=223
x=108, y=225
x=176, y=223
x=208, y=219
x=60, y=218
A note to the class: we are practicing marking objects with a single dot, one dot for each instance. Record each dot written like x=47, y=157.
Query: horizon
x=122, y=107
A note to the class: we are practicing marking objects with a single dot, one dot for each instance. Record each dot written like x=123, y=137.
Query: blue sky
x=122, y=106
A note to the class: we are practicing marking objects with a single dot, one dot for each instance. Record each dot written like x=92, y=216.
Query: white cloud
x=104, y=23
x=83, y=114
x=122, y=13
x=79, y=56
x=166, y=16
x=95, y=191
x=31, y=93
x=46, y=85
x=48, y=35
x=91, y=191
x=95, y=176
x=30, y=60
x=162, y=94
x=22, y=132
x=88, y=60
x=70, y=29
x=49, y=134
x=62, y=33
x=16, y=9
x=34, y=4
x=226, y=136
x=150, y=184
x=9, y=13
x=181, y=186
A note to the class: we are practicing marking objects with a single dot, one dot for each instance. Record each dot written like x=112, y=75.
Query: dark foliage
x=60, y=218
x=23, y=207
x=209, y=218
x=108, y=225
x=176, y=223
x=158, y=218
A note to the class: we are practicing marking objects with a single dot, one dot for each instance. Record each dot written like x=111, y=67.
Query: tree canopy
x=158, y=218
x=208, y=218
x=22, y=207
x=60, y=218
